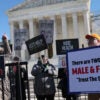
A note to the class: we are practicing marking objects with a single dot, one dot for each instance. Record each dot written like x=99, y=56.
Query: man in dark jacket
x=44, y=85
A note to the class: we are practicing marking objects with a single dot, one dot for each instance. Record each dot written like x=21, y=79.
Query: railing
x=46, y=2
x=58, y=94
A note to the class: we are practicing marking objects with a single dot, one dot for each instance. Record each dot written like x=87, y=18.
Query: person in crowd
x=93, y=40
x=6, y=47
x=44, y=72
x=18, y=77
x=63, y=85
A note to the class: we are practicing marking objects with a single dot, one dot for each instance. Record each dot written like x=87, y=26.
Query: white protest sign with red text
x=84, y=70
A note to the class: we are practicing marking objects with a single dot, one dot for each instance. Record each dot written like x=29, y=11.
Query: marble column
x=86, y=22
x=31, y=27
x=31, y=34
x=12, y=36
x=23, y=47
x=64, y=26
x=21, y=25
x=75, y=25
x=54, y=35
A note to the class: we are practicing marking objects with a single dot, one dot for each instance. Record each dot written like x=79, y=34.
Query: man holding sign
x=93, y=40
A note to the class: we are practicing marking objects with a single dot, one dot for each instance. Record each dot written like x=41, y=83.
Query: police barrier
x=18, y=81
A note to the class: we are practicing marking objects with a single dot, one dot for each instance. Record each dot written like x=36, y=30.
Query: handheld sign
x=36, y=44
x=62, y=61
x=66, y=44
x=20, y=36
x=2, y=68
x=46, y=28
x=84, y=70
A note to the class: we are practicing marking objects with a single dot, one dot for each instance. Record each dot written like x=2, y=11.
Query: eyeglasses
x=92, y=41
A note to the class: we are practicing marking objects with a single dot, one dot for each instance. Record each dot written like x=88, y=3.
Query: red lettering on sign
x=97, y=68
x=80, y=70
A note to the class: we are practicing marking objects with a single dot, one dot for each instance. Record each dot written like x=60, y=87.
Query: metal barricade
x=30, y=95
x=12, y=86
x=58, y=94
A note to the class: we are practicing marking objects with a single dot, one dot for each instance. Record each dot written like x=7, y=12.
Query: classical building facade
x=71, y=20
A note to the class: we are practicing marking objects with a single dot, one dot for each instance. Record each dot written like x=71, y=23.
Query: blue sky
x=4, y=6
x=7, y=4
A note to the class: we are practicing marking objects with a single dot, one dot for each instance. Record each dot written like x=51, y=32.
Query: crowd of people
x=44, y=73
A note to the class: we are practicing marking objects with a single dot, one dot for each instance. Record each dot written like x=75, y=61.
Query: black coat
x=63, y=86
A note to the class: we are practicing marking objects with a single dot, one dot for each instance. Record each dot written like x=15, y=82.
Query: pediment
x=21, y=6
x=36, y=3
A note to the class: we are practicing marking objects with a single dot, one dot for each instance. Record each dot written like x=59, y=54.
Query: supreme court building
x=71, y=20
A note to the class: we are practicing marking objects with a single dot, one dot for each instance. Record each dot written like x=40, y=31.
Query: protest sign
x=62, y=46
x=62, y=61
x=20, y=36
x=46, y=28
x=36, y=44
x=84, y=70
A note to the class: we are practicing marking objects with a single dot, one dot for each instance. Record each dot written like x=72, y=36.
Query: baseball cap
x=94, y=35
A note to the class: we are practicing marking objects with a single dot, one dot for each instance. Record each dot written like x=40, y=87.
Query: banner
x=36, y=44
x=66, y=44
x=2, y=67
x=84, y=70
x=46, y=28
x=62, y=61
x=20, y=36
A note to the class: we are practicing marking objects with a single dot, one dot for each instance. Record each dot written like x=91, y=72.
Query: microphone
x=6, y=45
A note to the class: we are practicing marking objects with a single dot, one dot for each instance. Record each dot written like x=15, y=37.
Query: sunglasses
x=92, y=40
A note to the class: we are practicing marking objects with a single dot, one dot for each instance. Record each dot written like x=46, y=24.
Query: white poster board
x=62, y=61
x=84, y=70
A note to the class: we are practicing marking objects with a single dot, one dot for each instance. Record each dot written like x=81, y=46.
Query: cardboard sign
x=36, y=44
x=2, y=67
x=62, y=46
x=84, y=70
